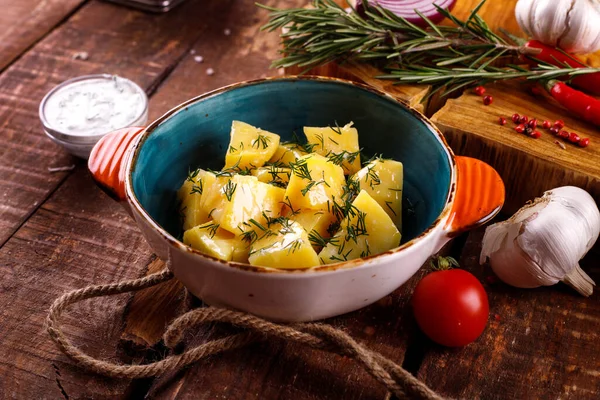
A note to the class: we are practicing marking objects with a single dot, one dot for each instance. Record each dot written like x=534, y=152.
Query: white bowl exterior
x=294, y=296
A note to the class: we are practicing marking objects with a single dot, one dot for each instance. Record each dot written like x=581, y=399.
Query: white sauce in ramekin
x=94, y=106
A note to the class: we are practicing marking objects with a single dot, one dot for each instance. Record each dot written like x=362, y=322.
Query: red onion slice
x=406, y=9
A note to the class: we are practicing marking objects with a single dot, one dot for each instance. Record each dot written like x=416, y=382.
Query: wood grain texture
x=79, y=236
x=139, y=46
x=539, y=343
x=76, y=238
x=527, y=166
x=285, y=371
x=24, y=22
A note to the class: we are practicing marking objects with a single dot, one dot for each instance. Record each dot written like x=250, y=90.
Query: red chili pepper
x=584, y=106
x=588, y=82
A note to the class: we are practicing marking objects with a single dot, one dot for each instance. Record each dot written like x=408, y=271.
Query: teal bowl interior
x=197, y=135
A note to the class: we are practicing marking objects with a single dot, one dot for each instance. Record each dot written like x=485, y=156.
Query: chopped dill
x=249, y=237
x=257, y=224
x=234, y=169
x=389, y=205
x=312, y=184
x=197, y=187
x=293, y=246
x=373, y=176
x=353, y=231
x=300, y=169
x=319, y=137
x=212, y=229
x=192, y=175
x=229, y=189
x=337, y=128
x=288, y=203
x=339, y=158
x=367, y=251
x=261, y=141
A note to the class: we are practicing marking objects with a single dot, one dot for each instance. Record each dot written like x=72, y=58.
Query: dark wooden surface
x=59, y=232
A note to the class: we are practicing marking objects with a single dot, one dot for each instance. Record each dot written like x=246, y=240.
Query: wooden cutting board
x=528, y=166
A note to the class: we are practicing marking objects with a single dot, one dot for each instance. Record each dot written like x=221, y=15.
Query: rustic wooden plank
x=142, y=47
x=25, y=22
x=232, y=47
x=285, y=371
x=539, y=343
x=527, y=166
x=76, y=238
x=79, y=236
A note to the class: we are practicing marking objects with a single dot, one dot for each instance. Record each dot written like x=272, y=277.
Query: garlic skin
x=572, y=25
x=543, y=242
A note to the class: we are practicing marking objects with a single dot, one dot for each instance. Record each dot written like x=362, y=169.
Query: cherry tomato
x=451, y=307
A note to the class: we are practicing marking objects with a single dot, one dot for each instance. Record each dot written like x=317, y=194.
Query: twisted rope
x=319, y=336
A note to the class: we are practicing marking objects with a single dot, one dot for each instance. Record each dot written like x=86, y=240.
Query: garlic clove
x=573, y=25
x=583, y=27
x=544, y=20
x=543, y=242
x=580, y=281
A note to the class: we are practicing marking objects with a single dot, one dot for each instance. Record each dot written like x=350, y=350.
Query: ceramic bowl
x=444, y=194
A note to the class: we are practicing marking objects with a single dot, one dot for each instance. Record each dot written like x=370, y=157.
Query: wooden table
x=59, y=232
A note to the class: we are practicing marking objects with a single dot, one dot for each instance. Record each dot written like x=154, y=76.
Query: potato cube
x=314, y=183
x=250, y=147
x=287, y=153
x=273, y=175
x=190, y=196
x=316, y=223
x=243, y=198
x=241, y=250
x=212, y=194
x=211, y=240
x=340, y=144
x=383, y=180
x=367, y=230
x=285, y=245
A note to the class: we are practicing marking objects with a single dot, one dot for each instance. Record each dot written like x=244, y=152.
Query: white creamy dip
x=94, y=106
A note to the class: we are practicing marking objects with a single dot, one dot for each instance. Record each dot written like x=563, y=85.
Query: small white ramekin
x=81, y=145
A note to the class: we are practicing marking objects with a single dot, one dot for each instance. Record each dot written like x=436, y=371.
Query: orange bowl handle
x=107, y=160
x=479, y=195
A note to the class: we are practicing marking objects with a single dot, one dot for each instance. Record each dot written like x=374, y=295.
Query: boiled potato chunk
x=244, y=198
x=314, y=183
x=211, y=240
x=367, y=230
x=339, y=143
x=318, y=222
x=286, y=246
x=382, y=179
x=241, y=250
x=190, y=195
x=212, y=193
x=250, y=147
x=287, y=153
x=277, y=176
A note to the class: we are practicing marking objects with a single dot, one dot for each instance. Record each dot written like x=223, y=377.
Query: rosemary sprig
x=450, y=57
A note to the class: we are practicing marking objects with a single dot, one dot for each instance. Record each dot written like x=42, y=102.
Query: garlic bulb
x=573, y=25
x=543, y=242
